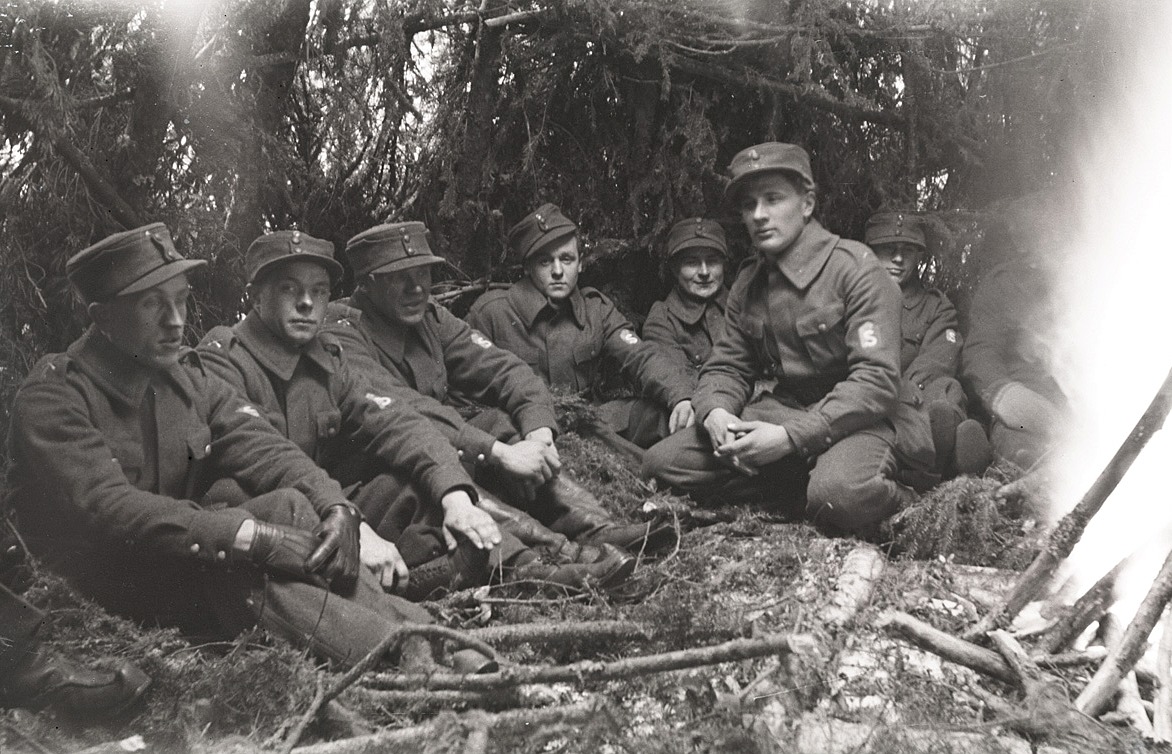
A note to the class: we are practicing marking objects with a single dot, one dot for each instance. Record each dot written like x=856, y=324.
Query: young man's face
x=401, y=296
x=774, y=210
x=699, y=272
x=901, y=260
x=291, y=300
x=554, y=270
x=148, y=325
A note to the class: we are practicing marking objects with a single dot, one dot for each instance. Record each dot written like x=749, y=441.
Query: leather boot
x=973, y=454
x=612, y=569
x=466, y=566
x=943, y=418
x=42, y=678
x=581, y=517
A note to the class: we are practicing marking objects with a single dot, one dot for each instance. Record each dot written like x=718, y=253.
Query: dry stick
x=1027, y=673
x=1163, y=713
x=1088, y=656
x=438, y=698
x=1122, y=658
x=861, y=568
x=1070, y=529
x=416, y=737
x=534, y=633
x=948, y=646
x=1086, y=610
x=392, y=639
x=738, y=649
x=1129, y=706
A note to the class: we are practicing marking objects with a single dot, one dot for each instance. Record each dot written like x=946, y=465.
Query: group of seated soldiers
x=306, y=469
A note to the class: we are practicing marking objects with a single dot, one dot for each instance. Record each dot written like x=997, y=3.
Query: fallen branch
x=948, y=646
x=1086, y=610
x=481, y=285
x=560, y=633
x=861, y=568
x=1070, y=529
x=416, y=737
x=732, y=651
x=438, y=698
x=1027, y=674
x=1088, y=656
x=1122, y=658
x=1162, y=728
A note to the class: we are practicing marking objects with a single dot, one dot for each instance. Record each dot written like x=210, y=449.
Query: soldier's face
x=554, y=270
x=901, y=260
x=401, y=296
x=148, y=325
x=291, y=300
x=774, y=209
x=699, y=272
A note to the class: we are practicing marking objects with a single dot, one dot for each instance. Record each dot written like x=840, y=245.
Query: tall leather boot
x=574, y=511
x=40, y=678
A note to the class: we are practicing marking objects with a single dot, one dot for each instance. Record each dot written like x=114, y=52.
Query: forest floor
x=744, y=573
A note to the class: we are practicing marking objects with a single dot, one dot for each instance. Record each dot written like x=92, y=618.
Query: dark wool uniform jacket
x=312, y=397
x=824, y=322
x=930, y=355
x=566, y=344
x=685, y=329
x=440, y=356
x=97, y=468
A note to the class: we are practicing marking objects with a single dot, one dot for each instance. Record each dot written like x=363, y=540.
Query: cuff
x=212, y=535
x=810, y=434
x=473, y=446
x=535, y=417
x=443, y=479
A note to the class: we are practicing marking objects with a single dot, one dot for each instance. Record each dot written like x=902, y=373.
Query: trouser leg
x=340, y=627
x=1018, y=446
x=852, y=486
x=639, y=420
x=684, y=462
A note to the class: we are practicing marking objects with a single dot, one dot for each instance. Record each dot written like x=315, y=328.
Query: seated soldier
x=1007, y=362
x=564, y=332
x=33, y=677
x=113, y=443
x=930, y=351
x=394, y=335
x=821, y=316
x=295, y=375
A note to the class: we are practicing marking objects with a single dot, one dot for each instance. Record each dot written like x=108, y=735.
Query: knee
x=666, y=460
x=850, y=504
x=285, y=506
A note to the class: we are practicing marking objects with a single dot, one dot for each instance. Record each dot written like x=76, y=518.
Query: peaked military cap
x=539, y=229
x=695, y=232
x=127, y=262
x=894, y=227
x=769, y=157
x=272, y=249
x=389, y=248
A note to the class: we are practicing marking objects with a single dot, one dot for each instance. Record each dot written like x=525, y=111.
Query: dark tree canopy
x=240, y=117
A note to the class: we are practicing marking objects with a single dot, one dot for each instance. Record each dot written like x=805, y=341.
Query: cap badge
x=753, y=155
x=407, y=242
x=541, y=223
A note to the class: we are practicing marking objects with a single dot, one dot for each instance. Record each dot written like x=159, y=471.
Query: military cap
x=390, y=248
x=894, y=227
x=127, y=262
x=539, y=229
x=272, y=249
x=769, y=157
x=695, y=232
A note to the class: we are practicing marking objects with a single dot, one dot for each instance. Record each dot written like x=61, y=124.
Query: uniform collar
x=119, y=375
x=690, y=311
x=802, y=261
x=274, y=354
x=529, y=302
x=389, y=337
x=913, y=295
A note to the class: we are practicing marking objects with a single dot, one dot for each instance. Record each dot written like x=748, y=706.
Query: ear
x=99, y=313
x=808, y=201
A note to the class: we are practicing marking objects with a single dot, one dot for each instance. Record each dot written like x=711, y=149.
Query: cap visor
x=332, y=266
x=896, y=239
x=406, y=263
x=160, y=274
x=730, y=191
x=699, y=243
x=552, y=237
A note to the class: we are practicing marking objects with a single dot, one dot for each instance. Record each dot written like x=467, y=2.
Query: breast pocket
x=128, y=454
x=329, y=424
x=823, y=334
x=199, y=451
x=585, y=356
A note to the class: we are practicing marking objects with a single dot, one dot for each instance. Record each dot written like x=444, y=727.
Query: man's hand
x=337, y=553
x=279, y=550
x=756, y=443
x=716, y=425
x=532, y=463
x=682, y=417
x=383, y=558
x=461, y=515
x=543, y=435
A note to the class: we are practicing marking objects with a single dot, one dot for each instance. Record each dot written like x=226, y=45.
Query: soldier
x=820, y=315
x=113, y=443
x=33, y=677
x=930, y=351
x=1007, y=361
x=392, y=330
x=564, y=332
x=296, y=376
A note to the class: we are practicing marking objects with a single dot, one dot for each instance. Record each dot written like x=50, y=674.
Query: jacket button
x=821, y=327
x=207, y=448
x=459, y=454
x=221, y=555
x=195, y=549
x=829, y=442
x=331, y=431
x=480, y=458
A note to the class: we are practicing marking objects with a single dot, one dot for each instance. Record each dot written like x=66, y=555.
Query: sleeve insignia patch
x=480, y=340
x=628, y=337
x=868, y=335
x=381, y=401
x=249, y=410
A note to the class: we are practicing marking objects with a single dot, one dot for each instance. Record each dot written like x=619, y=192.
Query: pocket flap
x=821, y=320
x=329, y=423
x=199, y=444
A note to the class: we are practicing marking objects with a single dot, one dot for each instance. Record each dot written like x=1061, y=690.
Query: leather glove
x=281, y=550
x=337, y=553
x=1021, y=408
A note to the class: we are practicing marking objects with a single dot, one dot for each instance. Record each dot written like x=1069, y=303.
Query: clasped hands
x=748, y=444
